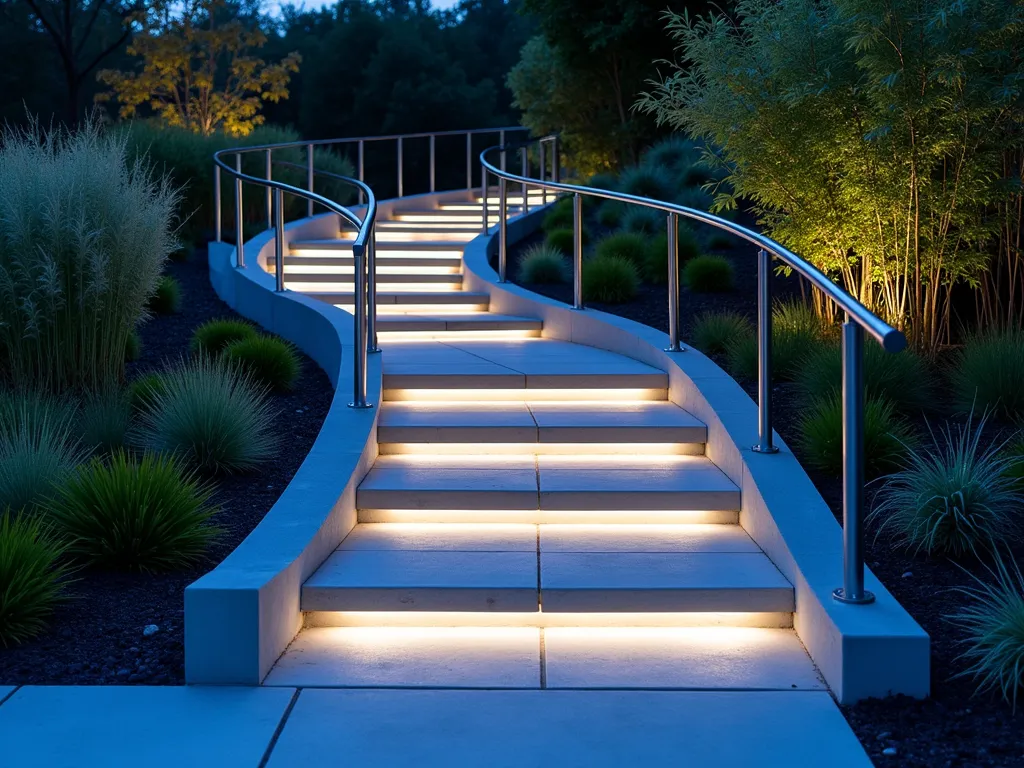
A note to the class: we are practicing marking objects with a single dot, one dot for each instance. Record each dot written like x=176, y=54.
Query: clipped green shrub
x=133, y=346
x=166, y=300
x=902, y=378
x=989, y=371
x=542, y=264
x=610, y=279
x=38, y=448
x=610, y=214
x=992, y=622
x=32, y=577
x=643, y=220
x=143, y=390
x=134, y=515
x=270, y=361
x=81, y=227
x=560, y=216
x=656, y=259
x=645, y=181
x=562, y=240
x=708, y=274
x=886, y=436
x=715, y=332
x=626, y=245
x=105, y=421
x=214, y=336
x=952, y=497
x=212, y=415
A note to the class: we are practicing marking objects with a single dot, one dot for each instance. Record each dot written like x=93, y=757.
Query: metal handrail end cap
x=839, y=595
x=360, y=406
x=767, y=450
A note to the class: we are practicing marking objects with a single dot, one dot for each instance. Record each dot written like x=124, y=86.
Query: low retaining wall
x=861, y=650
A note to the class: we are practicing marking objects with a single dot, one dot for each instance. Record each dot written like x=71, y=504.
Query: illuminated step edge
x=544, y=619
x=622, y=384
x=385, y=261
x=524, y=448
x=443, y=280
x=540, y=516
x=386, y=334
x=342, y=244
x=428, y=299
x=523, y=394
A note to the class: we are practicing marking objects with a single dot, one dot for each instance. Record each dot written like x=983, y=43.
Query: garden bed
x=951, y=728
x=100, y=635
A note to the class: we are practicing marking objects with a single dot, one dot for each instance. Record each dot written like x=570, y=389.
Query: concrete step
x=384, y=261
x=451, y=280
x=416, y=233
x=515, y=488
x=630, y=428
x=428, y=247
x=509, y=369
x=566, y=568
x=454, y=326
x=461, y=299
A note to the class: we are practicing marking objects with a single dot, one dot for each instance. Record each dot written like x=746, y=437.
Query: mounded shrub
x=542, y=264
x=708, y=274
x=610, y=214
x=656, y=259
x=643, y=220
x=989, y=371
x=143, y=390
x=32, y=577
x=134, y=515
x=560, y=216
x=696, y=198
x=715, y=332
x=992, y=622
x=674, y=154
x=214, y=336
x=645, y=181
x=270, y=361
x=821, y=436
x=796, y=333
x=902, y=378
x=610, y=280
x=607, y=181
x=166, y=300
x=38, y=448
x=952, y=497
x=562, y=240
x=105, y=421
x=625, y=245
x=212, y=415
x=102, y=258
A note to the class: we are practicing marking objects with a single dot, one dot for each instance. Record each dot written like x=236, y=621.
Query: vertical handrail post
x=401, y=162
x=525, y=173
x=673, y=283
x=502, y=229
x=270, y=194
x=279, y=238
x=764, y=354
x=543, y=175
x=371, y=290
x=359, y=329
x=239, y=218
x=501, y=140
x=217, y=233
x=853, y=590
x=469, y=160
x=484, y=185
x=362, y=167
x=309, y=177
x=577, y=251
x=556, y=162
x=433, y=169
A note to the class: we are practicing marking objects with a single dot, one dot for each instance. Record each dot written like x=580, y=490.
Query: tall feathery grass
x=84, y=232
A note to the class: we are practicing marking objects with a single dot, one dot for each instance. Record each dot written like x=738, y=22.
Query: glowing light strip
x=382, y=269
x=414, y=336
x=640, y=621
x=582, y=450
x=382, y=287
x=382, y=254
x=521, y=395
x=542, y=516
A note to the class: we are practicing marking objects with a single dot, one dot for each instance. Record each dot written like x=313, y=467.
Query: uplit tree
x=198, y=69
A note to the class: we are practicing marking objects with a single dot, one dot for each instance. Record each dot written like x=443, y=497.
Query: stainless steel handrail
x=858, y=320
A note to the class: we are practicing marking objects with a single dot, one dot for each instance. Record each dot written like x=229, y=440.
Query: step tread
x=334, y=277
x=459, y=322
x=383, y=260
x=346, y=243
x=406, y=297
x=539, y=422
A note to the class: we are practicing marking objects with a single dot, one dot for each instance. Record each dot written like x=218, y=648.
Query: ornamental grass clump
x=993, y=625
x=166, y=299
x=32, y=576
x=708, y=274
x=989, y=372
x=562, y=240
x=674, y=154
x=630, y=246
x=902, y=378
x=214, y=336
x=270, y=361
x=645, y=181
x=953, y=497
x=560, y=216
x=134, y=515
x=886, y=436
x=611, y=280
x=143, y=391
x=105, y=421
x=796, y=333
x=542, y=264
x=211, y=415
x=38, y=448
x=84, y=232
x=715, y=332
x=643, y=220
x=656, y=259
x=610, y=214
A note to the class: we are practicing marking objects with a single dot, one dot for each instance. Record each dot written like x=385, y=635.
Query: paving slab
x=650, y=422
x=466, y=423
x=411, y=657
x=432, y=487
x=597, y=582
x=129, y=726
x=653, y=537
x=719, y=658
x=479, y=537
x=575, y=729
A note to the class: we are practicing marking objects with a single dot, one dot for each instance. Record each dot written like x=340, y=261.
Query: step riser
x=780, y=620
x=425, y=448
x=573, y=384
x=537, y=517
x=439, y=335
x=440, y=281
x=383, y=262
x=626, y=502
x=661, y=439
x=521, y=394
x=432, y=301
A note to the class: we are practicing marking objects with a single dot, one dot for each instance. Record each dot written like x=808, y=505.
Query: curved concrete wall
x=862, y=651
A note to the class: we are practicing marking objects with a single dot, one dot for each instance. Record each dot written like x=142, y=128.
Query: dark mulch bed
x=953, y=727
x=99, y=636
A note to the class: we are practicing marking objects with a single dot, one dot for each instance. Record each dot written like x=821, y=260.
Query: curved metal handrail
x=859, y=319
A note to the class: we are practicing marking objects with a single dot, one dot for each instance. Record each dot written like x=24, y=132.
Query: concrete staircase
x=540, y=515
